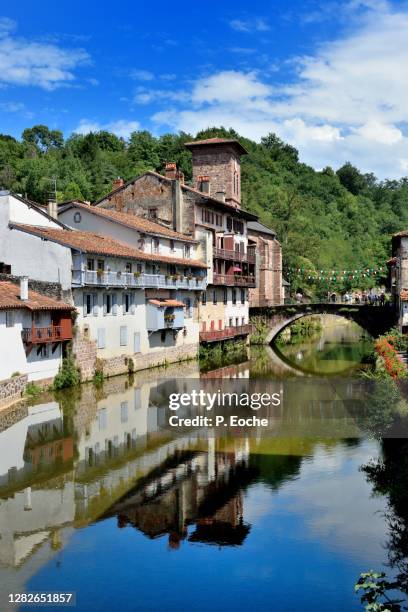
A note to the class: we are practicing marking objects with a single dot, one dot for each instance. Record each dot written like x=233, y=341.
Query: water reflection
x=97, y=479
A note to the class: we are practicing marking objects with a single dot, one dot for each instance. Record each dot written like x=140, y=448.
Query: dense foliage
x=324, y=219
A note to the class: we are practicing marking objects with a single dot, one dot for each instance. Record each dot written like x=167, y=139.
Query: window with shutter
x=114, y=304
x=101, y=338
x=95, y=310
x=123, y=335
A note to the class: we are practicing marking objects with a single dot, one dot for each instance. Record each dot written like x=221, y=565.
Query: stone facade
x=268, y=290
x=85, y=353
x=223, y=167
x=12, y=389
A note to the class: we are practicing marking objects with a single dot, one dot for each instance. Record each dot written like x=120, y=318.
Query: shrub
x=68, y=374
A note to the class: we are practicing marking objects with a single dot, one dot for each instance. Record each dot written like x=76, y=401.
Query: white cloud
x=122, y=127
x=345, y=102
x=25, y=62
x=12, y=107
x=256, y=24
x=142, y=75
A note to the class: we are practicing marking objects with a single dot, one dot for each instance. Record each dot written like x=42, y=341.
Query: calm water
x=99, y=496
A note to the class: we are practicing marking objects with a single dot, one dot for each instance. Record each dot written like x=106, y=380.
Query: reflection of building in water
x=32, y=507
x=204, y=488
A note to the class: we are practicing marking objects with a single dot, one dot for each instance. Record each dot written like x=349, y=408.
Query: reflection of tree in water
x=389, y=476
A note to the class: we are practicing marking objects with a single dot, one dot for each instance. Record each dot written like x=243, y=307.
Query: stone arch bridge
x=375, y=320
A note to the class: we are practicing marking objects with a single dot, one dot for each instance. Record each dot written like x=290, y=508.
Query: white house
x=34, y=330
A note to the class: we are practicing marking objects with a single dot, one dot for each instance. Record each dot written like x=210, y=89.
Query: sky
x=330, y=78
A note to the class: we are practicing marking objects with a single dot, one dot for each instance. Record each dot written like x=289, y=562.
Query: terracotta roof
x=97, y=244
x=165, y=303
x=216, y=141
x=133, y=221
x=10, y=298
x=404, y=295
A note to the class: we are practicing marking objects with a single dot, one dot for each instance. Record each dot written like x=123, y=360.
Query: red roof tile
x=134, y=222
x=10, y=298
x=404, y=295
x=97, y=244
x=216, y=141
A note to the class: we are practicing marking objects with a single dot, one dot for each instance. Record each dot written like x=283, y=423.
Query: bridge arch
x=375, y=320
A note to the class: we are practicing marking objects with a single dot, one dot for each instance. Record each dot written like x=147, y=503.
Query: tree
x=352, y=179
x=42, y=137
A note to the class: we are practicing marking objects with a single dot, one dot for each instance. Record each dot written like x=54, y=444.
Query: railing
x=39, y=335
x=232, y=255
x=234, y=280
x=136, y=280
x=213, y=335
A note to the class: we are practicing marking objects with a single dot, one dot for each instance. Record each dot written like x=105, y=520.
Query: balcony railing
x=214, y=335
x=135, y=280
x=231, y=255
x=41, y=335
x=234, y=280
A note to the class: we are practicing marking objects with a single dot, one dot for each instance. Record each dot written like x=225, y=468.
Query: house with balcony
x=34, y=332
x=398, y=272
x=135, y=309
x=209, y=211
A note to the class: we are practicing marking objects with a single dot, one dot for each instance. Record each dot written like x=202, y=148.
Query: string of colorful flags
x=337, y=275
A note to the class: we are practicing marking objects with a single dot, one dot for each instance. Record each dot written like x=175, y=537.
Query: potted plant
x=136, y=274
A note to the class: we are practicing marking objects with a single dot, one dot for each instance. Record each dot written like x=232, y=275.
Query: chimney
x=24, y=288
x=52, y=209
x=118, y=182
x=220, y=195
x=203, y=183
x=170, y=170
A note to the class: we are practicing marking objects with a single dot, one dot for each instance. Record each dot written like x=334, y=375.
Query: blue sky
x=329, y=77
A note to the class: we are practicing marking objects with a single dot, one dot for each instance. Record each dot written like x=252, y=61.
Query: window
x=128, y=302
x=229, y=224
x=230, y=323
x=243, y=321
x=128, y=267
x=218, y=220
x=155, y=245
x=207, y=216
x=237, y=321
x=139, y=268
x=187, y=250
x=189, y=312
x=123, y=335
x=101, y=338
x=9, y=318
x=238, y=226
x=107, y=304
x=214, y=296
x=88, y=304
x=42, y=351
x=102, y=419
x=242, y=296
x=77, y=217
x=234, y=296
x=172, y=247
x=124, y=411
x=163, y=337
x=204, y=298
x=225, y=295
x=152, y=213
x=101, y=265
x=90, y=264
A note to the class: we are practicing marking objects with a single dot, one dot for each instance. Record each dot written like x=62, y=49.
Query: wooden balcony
x=41, y=335
x=234, y=280
x=216, y=335
x=230, y=255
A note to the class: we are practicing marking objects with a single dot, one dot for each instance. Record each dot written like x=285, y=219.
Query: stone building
x=399, y=277
x=269, y=289
x=210, y=212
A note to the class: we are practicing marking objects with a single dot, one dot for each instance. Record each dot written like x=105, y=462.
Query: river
x=98, y=495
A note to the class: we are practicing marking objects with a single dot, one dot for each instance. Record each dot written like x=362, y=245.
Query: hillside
x=334, y=227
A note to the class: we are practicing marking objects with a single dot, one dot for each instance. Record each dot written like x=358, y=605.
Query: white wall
x=19, y=212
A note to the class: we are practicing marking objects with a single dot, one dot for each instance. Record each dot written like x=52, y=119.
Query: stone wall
x=223, y=166
x=85, y=354
x=268, y=291
x=12, y=389
x=120, y=364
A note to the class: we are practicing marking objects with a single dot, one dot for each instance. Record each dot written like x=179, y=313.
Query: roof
x=256, y=226
x=165, y=303
x=97, y=244
x=404, y=295
x=131, y=221
x=217, y=141
x=402, y=234
x=10, y=298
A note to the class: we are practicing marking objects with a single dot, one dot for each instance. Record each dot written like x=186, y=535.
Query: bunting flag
x=337, y=275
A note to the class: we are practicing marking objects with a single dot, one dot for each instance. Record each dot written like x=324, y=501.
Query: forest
x=334, y=224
